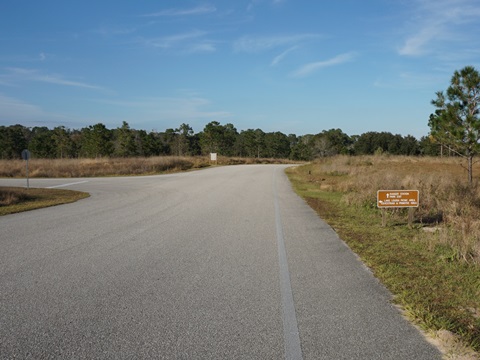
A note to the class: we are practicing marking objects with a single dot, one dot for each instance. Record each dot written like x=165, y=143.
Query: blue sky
x=295, y=66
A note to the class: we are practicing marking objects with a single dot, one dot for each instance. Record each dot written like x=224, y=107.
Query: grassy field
x=14, y=199
x=432, y=268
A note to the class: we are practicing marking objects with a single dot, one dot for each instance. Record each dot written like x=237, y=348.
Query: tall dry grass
x=97, y=167
x=11, y=196
x=446, y=199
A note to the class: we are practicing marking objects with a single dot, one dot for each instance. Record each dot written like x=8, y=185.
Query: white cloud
x=410, y=81
x=173, y=40
x=17, y=111
x=277, y=59
x=171, y=108
x=190, y=42
x=54, y=79
x=199, y=10
x=258, y=44
x=202, y=47
x=11, y=107
x=310, y=68
x=438, y=21
x=251, y=5
x=417, y=43
x=21, y=74
x=21, y=71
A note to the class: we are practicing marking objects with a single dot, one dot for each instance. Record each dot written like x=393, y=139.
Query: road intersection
x=222, y=263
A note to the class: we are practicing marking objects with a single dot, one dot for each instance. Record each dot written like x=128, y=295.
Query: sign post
x=213, y=157
x=26, y=157
x=397, y=199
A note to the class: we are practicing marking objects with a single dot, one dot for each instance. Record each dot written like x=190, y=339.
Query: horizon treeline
x=98, y=141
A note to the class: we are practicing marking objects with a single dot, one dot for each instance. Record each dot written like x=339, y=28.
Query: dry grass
x=452, y=346
x=445, y=197
x=12, y=196
x=49, y=168
x=14, y=200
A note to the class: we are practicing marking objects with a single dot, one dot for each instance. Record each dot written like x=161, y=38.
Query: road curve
x=223, y=263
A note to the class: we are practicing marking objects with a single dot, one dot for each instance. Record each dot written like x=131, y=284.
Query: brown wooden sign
x=397, y=198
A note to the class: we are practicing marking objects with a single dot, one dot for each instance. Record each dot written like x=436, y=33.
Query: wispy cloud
x=202, y=47
x=172, y=41
x=257, y=44
x=277, y=59
x=15, y=110
x=438, y=21
x=21, y=74
x=310, y=68
x=189, y=42
x=199, y=10
x=171, y=108
x=410, y=81
x=32, y=58
x=54, y=79
x=254, y=3
x=10, y=106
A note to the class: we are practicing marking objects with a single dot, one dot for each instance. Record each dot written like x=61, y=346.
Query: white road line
x=63, y=185
x=291, y=335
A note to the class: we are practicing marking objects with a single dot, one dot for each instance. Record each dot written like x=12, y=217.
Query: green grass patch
x=15, y=199
x=436, y=290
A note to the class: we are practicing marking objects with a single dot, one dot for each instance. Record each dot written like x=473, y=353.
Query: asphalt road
x=223, y=263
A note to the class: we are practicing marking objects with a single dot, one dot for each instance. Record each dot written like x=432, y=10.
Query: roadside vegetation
x=432, y=268
x=15, y=199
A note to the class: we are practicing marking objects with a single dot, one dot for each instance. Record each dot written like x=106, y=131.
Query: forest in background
x=98, y=141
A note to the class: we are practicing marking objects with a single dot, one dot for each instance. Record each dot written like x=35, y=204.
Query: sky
x=295, y=66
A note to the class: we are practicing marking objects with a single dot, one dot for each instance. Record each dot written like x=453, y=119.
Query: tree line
x=98, y=141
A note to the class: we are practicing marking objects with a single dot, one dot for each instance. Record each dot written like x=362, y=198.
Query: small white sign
x=213, y=156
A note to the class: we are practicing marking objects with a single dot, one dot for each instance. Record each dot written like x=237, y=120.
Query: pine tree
x=456, y=122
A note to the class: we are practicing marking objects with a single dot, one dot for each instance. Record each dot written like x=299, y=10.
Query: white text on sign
x=397, y=198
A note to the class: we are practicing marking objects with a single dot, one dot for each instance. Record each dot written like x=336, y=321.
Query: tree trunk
x=470, y=170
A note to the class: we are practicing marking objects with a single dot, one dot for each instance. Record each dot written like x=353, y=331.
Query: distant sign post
x=213, y=157
x=26, y=157
x=397, y=199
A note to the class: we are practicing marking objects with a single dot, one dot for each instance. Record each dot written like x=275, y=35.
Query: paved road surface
x=224, y=263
